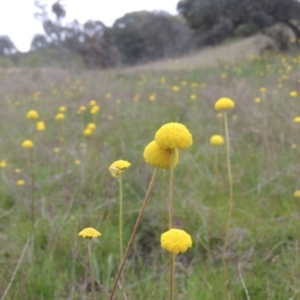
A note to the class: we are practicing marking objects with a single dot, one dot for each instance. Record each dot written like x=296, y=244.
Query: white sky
x=17, y=20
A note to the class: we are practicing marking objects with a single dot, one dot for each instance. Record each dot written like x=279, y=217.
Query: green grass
x=70, y=197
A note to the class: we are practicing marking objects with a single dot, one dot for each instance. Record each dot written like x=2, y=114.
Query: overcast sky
x=17, y=21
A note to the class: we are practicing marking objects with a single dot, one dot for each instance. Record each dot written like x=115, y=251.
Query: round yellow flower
x=62, y=109
x=173, y=135
x=93, y=102
x=293, y=94
x=27, y=144
x=77, y=162
x=89, y=233
x=297, y=120
x=224, y=104
x=40, y=126
x=60, y=116
x=159, y=157
x=87, y=132
x=91, y=126
x=257, y=100
x=117, y=167
x=216, y=140
x=176, y=241
x=20, y=182
x=56, y=150
x=262, y=89
x=3, y=163
x=32, y=115
x=82, y=108
x=297, y=194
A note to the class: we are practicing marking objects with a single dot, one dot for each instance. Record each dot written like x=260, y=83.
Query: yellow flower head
x=175, y=88
x=87, y=132
x=3, y=163
x=20, y=182
x=62, y=109
x=173, y=135
x=91, y=126
x=56, y=150
x=117, y=167
x=27, y=144
x=60, y=116
x=293, y=94
x=216, y=140
x=297, y=119
x=297, y=194
x=257, y=100
x=176, y=241
x=224, y=104
x=94, y=110
x=40, y=126
x=89, y=233
x=82, y=108
x=77, y=162
x=262, y=89
x=159, y=157
x=32, y=115
x=93, y=102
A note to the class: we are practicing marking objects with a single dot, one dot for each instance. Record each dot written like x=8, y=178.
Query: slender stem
x=172, y=262
x=230, y=205
x=135, y=229
x=171, y=189
x=91, y=268
x=121, y=230
x=213, y=209
x=171, y=258
x=32, y=186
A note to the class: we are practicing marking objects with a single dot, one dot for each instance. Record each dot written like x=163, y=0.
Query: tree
x=7, y=47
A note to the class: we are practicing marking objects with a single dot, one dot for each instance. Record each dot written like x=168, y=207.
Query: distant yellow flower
x=87, y=132
x=77, y=162
x=56, y=150
x=224, y=104
x=32, y=115
x=293, y=94
x=93, y=103
x=89, y=233
x=297, y=120
x=117, y=167
x=60, y=117
x=94, y=110
x=193, y=97
x=173, y=135
x=224, y=75
x=40, y=126
x=176, y=241
x=27, y=144
x=257, y=100
x=219, y=115
x=234, y=117
x=20, y=182
x=62, y=109
x=297, y=194
x=108, y=95
x=152, y=97
x=3, y=163
x=18, y=170
x=262, y=89
x=82, y=108
x=294, y=146
x=159, y=157
x=91, y=126
x=216, y=140
x=175, y=88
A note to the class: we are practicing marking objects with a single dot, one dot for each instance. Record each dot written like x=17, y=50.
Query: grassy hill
x=73, y=188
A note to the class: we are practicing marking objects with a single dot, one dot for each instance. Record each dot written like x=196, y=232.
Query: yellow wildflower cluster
x=117, y=167
x=89, y=233
x=224, y=104
x=32, y=115
x=216, y=140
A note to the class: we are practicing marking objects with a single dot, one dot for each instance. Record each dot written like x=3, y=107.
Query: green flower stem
x=172, y=263
x=32, y=187
x=230, y=205
x=171, y=258
x=121, y=230
x=136, y=226
x=91, y=268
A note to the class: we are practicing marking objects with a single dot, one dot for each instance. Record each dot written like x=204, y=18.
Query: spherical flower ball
x=40, y=126
x=32, y=115
x=216, y=140
x=173, y=135
x=62, y=109
x=3, y=163
x=117, y=167
x=93, y=102
x=176, y=241
x=27, y=144
x=91, y=126
x=87, y=132
x=224, y=104
x=159, y=157
x=89, y=233
x=60, y=117
x=20, y=182
x=297, y=120
x=293, y=94
x=297, y=194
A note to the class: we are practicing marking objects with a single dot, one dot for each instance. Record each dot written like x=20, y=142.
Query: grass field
x=74, y=189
